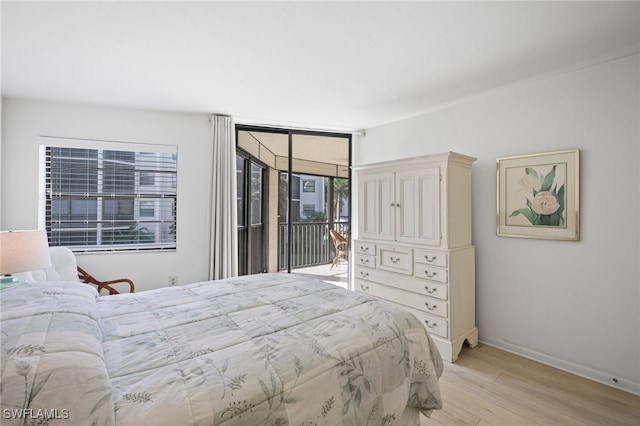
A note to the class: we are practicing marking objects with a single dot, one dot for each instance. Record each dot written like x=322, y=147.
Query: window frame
x=164, y=223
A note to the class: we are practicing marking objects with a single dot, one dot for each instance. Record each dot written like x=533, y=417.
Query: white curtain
x=224, y=219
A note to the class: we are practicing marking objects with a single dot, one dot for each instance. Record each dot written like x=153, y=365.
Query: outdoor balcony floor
x=339, y=275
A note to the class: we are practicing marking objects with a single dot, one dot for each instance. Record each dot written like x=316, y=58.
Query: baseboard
x=570, y=367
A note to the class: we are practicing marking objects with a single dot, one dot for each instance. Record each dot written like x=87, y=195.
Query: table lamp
x=22, y=251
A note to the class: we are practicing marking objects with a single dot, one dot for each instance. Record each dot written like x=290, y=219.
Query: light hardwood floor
x=488, y=386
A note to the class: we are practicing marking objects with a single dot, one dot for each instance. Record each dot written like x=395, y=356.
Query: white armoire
x=413, y=244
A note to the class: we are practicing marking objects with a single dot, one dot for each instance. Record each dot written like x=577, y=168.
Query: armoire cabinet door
x=377, y=206
x=418, y=206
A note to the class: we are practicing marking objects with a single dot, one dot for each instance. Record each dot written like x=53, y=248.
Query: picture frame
x=538, y=195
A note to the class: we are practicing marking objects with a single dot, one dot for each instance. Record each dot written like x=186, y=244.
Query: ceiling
x=313, y=154
x=325, y=65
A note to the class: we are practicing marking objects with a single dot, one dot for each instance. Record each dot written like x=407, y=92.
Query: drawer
x=365, y=273
x=365, y=247
x=396, y=259
x=435, y=325
x=409, y=283
x=434, y=290
x=433, y=273
x=435, y=258
x=405, y=298
x=365, y=260
x=364, y=286
x=412, y=300
x=435, y=306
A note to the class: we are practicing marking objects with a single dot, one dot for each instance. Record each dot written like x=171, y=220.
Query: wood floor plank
x=563, y=403
x=491, y=387
x=453, y=413
x=585, y=386
x=483, y=405
x=580, y=397
x=516, y=398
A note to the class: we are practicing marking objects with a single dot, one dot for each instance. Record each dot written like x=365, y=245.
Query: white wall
x=575, y=305
x=24, y=121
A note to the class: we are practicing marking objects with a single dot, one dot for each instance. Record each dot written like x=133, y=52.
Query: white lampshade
x=22, y=251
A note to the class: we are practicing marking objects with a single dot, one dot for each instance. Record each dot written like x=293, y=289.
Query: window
x=256, y=194
x=147, y=208
x=147, y=178
x=308, y=209
x=295, y=198
x=308, y=185
x=106, y=196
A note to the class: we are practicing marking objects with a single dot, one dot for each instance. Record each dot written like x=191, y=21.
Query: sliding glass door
x=307, y=195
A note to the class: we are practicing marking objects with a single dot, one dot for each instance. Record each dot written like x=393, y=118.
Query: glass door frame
x=247, y=214
x=290, y=134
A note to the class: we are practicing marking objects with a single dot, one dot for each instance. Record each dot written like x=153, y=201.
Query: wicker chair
x=340, y=245
x=64, y=267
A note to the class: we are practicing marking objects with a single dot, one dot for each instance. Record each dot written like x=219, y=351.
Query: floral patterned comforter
x=269, y=349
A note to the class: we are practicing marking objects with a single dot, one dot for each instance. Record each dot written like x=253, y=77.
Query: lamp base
x=9, y=281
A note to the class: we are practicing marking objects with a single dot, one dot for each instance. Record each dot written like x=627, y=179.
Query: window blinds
x=104, y=196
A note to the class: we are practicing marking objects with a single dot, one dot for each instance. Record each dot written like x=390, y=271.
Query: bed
x=268, y=349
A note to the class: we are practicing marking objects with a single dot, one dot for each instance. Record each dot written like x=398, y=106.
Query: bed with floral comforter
x=269, y=349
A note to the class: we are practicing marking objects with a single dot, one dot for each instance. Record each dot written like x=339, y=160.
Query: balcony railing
x=311, y=242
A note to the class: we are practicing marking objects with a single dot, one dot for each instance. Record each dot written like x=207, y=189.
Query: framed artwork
x=538, y=195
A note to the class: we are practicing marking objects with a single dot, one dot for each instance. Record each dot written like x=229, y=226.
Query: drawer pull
x=430, y=259
x=430, y=274
x=364, y=261
x=363, y=248
x=364, y=287
x=394, y=259
x=430, y=290
x=364, y=274
x=431, y=324
x=432, y=307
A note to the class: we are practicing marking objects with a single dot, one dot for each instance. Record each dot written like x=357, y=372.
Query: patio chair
x=340, y=245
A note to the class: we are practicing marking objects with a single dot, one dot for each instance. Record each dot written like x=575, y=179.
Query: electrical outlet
x=173, y=280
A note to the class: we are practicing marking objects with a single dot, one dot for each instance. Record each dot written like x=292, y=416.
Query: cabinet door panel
x=386, y=209
x=368, y=206
x=376, y=211
x=418, y=192
x=406, y=205
x=428, y=220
